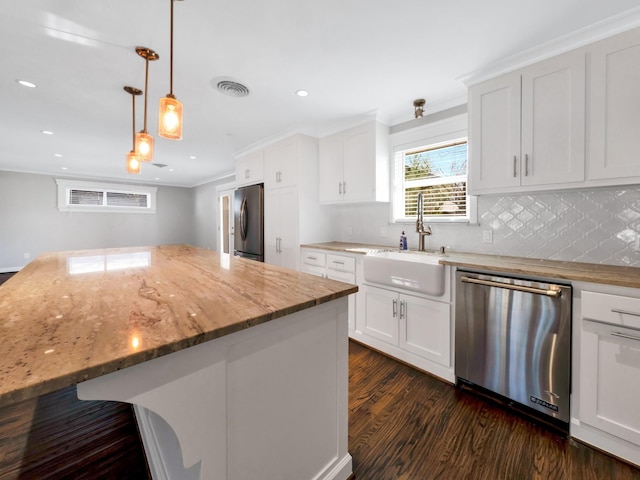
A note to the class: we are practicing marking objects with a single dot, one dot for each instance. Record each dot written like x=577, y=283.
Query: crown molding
x=576, y=39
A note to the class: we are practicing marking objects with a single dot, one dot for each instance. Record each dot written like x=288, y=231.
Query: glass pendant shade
x=133, y=162
x=144, y=146
x=170, y=118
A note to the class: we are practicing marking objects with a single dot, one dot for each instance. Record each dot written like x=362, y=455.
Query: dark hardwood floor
x=5, y=276
x=404, y=424
x=57, y=436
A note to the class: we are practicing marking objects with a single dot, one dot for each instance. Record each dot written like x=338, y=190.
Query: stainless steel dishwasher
x=513, y=338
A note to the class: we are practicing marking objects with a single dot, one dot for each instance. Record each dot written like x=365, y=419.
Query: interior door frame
x=221, y=191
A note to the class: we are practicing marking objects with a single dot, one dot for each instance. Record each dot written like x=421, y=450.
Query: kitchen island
x=246, y=362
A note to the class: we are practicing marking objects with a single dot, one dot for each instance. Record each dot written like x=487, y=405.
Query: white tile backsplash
x=595, y=226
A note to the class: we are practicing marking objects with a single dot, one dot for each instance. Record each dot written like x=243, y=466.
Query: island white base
x=267, y=402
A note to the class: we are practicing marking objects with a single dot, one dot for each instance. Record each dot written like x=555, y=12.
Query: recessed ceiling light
x=47, y=132
x=157, y=178
x=64, y=168
x=171, y=169
x=192, y=157
x=57, y=154
x=302, y=93
x=24, y=83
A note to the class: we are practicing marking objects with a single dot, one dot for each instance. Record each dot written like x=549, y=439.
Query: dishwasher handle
x=551, y=292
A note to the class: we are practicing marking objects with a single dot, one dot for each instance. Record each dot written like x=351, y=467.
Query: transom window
x=81, y=196
x=439, y=171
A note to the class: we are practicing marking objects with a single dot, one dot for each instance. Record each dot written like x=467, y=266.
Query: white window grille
x=84, y=196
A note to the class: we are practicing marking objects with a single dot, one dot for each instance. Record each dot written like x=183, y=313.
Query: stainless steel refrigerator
x=248, y=208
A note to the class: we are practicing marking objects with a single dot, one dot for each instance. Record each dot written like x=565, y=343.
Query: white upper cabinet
x=553, y=120
x=494, y=144
x=281, y=164
x=354, y=165
x=527, y=128
x=615, y=109
x=250, y=169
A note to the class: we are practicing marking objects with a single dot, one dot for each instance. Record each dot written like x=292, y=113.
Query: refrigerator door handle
x=243, y=219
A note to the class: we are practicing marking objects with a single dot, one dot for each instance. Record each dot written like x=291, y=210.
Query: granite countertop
x=573, y=271
x=72, y=316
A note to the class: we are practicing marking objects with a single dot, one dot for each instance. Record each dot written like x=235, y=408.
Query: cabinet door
x=281, y=227
x=288, y=227
x=271, y=226
x=330, y=172
x=381, y=314
x=359, y=164
x=281, y=164
x=610, y=379
x=250, y=169
x=425, y=328
x=494, y=136
x=553, y=121
x=615, y=116
x=346, y=277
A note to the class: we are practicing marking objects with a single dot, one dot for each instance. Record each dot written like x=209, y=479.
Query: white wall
x=30, y=221
x=592, y=225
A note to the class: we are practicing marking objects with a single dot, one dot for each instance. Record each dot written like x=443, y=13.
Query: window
x=439, y=171
x=81, y=196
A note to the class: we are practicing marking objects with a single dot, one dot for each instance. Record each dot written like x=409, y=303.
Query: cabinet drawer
x=346, y=277
x=341, y=263
x=613, y=309
x=313, y=270
x=313, y=258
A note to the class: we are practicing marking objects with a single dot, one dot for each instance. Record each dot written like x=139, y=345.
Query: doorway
x=225, y=219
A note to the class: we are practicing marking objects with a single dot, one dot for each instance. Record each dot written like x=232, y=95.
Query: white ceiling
x=353, y=56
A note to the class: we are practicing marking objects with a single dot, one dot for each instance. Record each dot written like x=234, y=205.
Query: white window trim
x=440, y=132
x=64, y=186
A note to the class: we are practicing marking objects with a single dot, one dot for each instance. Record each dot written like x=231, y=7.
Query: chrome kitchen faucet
x=420, y=227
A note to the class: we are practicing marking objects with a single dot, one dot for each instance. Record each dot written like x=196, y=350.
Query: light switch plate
x=487, y=236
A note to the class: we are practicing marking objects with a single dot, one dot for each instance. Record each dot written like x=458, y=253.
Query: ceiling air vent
x=230, y=87
x=159, y=165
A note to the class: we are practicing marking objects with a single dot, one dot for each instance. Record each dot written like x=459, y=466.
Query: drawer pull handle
x=625, y=312
x=339, y=263
x=624, y=335
x=312, y=258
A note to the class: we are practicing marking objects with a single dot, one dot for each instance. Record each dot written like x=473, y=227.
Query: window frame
x=65, y=186
x=444, y=132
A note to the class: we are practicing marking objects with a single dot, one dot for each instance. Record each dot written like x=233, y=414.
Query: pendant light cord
x=146, y=89
x=171, y=54
x=133, y=121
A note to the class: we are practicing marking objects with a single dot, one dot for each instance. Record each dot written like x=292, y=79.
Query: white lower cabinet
x=414, y=329
x=343, y=268
x=608, y=416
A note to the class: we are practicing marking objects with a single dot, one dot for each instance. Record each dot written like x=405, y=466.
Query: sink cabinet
x=415, y=328
x=416, y=325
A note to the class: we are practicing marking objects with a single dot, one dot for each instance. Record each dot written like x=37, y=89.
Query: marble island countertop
x=565, y=270
x=71, y=316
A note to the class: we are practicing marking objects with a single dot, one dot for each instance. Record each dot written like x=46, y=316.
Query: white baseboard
x=10, y=269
